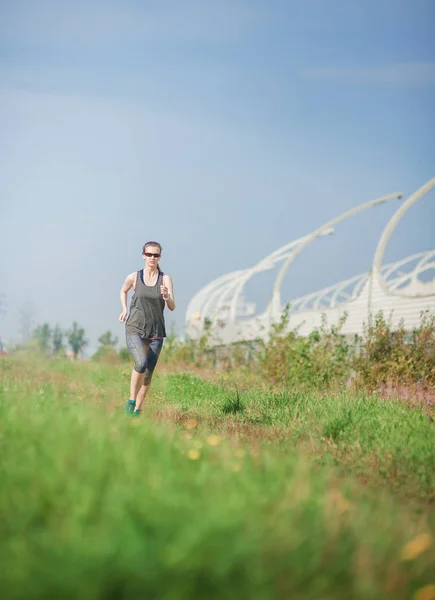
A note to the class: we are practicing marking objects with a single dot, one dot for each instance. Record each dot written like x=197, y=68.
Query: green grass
x=356, y=432
x=94, y=504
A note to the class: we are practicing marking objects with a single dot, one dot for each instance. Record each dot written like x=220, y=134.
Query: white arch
x=200, y=298
x=275, y=308
x=422, y=266
x=217, y=291
x=330, y=295
x=267, y=263
x=229, y=287
x=398, y=287
x=386, y=235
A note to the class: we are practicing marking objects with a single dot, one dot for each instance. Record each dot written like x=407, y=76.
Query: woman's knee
x=140, y=364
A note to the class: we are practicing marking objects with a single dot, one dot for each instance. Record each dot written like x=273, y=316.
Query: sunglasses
x=150, y=254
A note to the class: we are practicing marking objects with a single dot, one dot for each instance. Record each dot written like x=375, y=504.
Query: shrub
x=398, y=356
x=106, y=354
x=319, y=359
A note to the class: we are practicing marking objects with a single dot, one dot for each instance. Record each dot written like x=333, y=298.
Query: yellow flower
x=425, y=593
x=194, y=454
x=417, y=546
x=239, y=452
x=213, y=440
x=191, y=424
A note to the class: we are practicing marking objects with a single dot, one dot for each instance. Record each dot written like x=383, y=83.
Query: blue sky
x=223, y=129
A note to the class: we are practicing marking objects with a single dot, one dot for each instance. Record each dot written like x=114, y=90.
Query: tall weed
x=387, y=355
x=381, y=356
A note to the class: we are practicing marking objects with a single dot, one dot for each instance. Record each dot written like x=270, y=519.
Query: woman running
x=145, y=324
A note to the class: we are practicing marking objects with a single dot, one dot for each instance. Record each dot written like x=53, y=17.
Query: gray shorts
x=145, y=354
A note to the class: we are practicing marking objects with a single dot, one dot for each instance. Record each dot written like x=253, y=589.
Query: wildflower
x=425, y=593
x=193, y=454
x=417, y=546
x=213, y=440
x=191, y=424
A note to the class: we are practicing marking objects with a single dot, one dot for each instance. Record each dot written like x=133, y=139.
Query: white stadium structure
x=401, y=290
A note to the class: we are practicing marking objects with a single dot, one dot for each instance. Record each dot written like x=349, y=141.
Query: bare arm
x=128, y=284
x=167, y=290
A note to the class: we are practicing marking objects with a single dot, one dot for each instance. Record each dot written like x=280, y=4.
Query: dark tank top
x=146, y=309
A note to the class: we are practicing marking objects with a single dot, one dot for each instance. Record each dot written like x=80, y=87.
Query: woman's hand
x=165, y=292
x=123, y=316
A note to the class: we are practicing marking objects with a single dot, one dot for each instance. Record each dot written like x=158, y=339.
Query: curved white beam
x=266, y=263
x=388, y=231
x=331, y=294
x=219, y=289
x=275, y=302
x=413, y=276
x=202, y=296
x=227, y=293
x=423, y=256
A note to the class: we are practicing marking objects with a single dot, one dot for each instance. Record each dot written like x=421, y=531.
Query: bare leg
x=142, y=395
x=135, y=384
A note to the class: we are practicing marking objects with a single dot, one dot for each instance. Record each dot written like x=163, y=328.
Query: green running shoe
x=129, y=407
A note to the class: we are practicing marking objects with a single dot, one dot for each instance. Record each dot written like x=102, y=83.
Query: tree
x=107, y=340
x=42, y=335
x=76, y=339
x=57, y=340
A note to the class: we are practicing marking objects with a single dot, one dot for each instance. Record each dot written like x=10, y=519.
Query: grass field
x=216, y=491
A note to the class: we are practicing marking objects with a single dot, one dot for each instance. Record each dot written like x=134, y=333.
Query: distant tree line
x=55, y=341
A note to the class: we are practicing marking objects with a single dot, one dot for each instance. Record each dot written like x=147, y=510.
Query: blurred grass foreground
x=216, y=492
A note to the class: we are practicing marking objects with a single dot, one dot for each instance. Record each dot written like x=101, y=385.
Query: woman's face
x=152, y=256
